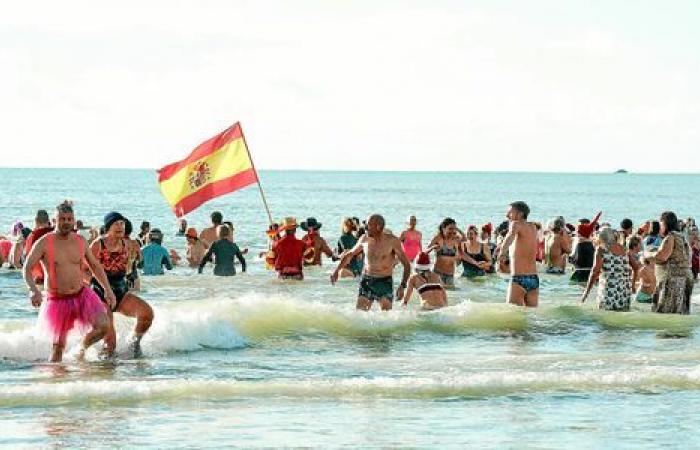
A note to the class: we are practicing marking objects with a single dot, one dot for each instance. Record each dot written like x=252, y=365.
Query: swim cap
x=112, y=217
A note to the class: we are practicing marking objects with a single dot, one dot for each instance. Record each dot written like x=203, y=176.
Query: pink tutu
x=59, y=315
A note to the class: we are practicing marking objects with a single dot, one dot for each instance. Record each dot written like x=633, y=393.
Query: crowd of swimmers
x=90, y=274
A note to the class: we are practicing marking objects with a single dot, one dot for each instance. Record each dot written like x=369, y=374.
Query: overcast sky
x=383, y=85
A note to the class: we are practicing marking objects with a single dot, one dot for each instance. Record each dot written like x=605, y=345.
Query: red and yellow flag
x=216, y=167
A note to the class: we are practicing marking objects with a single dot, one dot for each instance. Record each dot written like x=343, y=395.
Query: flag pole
x=252, y=164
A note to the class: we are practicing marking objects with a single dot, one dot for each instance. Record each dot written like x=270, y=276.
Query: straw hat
x=289, y=223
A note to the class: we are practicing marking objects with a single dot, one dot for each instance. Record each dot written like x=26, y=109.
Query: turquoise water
x=252, y=361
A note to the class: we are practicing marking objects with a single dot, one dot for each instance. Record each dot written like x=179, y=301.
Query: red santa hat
x=422, y=261
x=586, y=229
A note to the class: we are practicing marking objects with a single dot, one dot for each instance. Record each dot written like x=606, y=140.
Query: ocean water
x=254, y=362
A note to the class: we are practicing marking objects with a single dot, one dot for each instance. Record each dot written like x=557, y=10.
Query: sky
x=570, y=86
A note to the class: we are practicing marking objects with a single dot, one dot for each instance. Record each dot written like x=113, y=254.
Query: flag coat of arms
x=216, y=167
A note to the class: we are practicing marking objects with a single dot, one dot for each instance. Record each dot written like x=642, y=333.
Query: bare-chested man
x=380, y=250
x=557, y=247
x=524, y=283
x=208, y=235
x=69, y=302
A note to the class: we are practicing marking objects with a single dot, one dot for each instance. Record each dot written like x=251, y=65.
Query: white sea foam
x=175, y=328
x=230, y=323
x=483, y=384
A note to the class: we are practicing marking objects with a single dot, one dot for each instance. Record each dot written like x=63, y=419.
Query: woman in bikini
x=476, y=256
x=112, y=252
x=427, y=283
x=447, y=251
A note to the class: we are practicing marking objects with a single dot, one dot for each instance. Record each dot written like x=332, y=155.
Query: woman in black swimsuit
x=476, y=256
x=113, y=253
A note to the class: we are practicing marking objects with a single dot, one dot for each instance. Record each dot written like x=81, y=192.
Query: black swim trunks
x=119, y=287
x=376, y=288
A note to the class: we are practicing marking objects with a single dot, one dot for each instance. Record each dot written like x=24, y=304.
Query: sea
x=251, y=361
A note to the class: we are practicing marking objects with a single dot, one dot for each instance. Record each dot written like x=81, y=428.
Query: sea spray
x=235, y=322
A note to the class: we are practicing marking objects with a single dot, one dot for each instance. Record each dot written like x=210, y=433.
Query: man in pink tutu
x=69, y=303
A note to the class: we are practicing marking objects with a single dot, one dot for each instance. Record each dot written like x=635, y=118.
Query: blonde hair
x=223, y=231
x=348, y=225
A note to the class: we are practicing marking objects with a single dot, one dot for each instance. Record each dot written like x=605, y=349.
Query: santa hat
x=422, y=261
x=586, y=229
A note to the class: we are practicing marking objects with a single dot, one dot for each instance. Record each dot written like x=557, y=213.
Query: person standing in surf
x=674, y=278
x=289, y=252
x=411, y=239
x=112, y=252
x=195, y=249
x=315, y=244
x=476, y=255
x=524, y=286
x=69, y=302
x=210, y=234
x=42, y=226
x=224, y=251
x=380, y=251
x=557, y=246
x=612, y=268
x=448, y=251
x=346, y=242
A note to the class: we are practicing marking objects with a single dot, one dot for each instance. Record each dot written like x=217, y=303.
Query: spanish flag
x=216, y=167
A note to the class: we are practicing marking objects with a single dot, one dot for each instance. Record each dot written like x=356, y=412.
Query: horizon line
x=613, y=172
